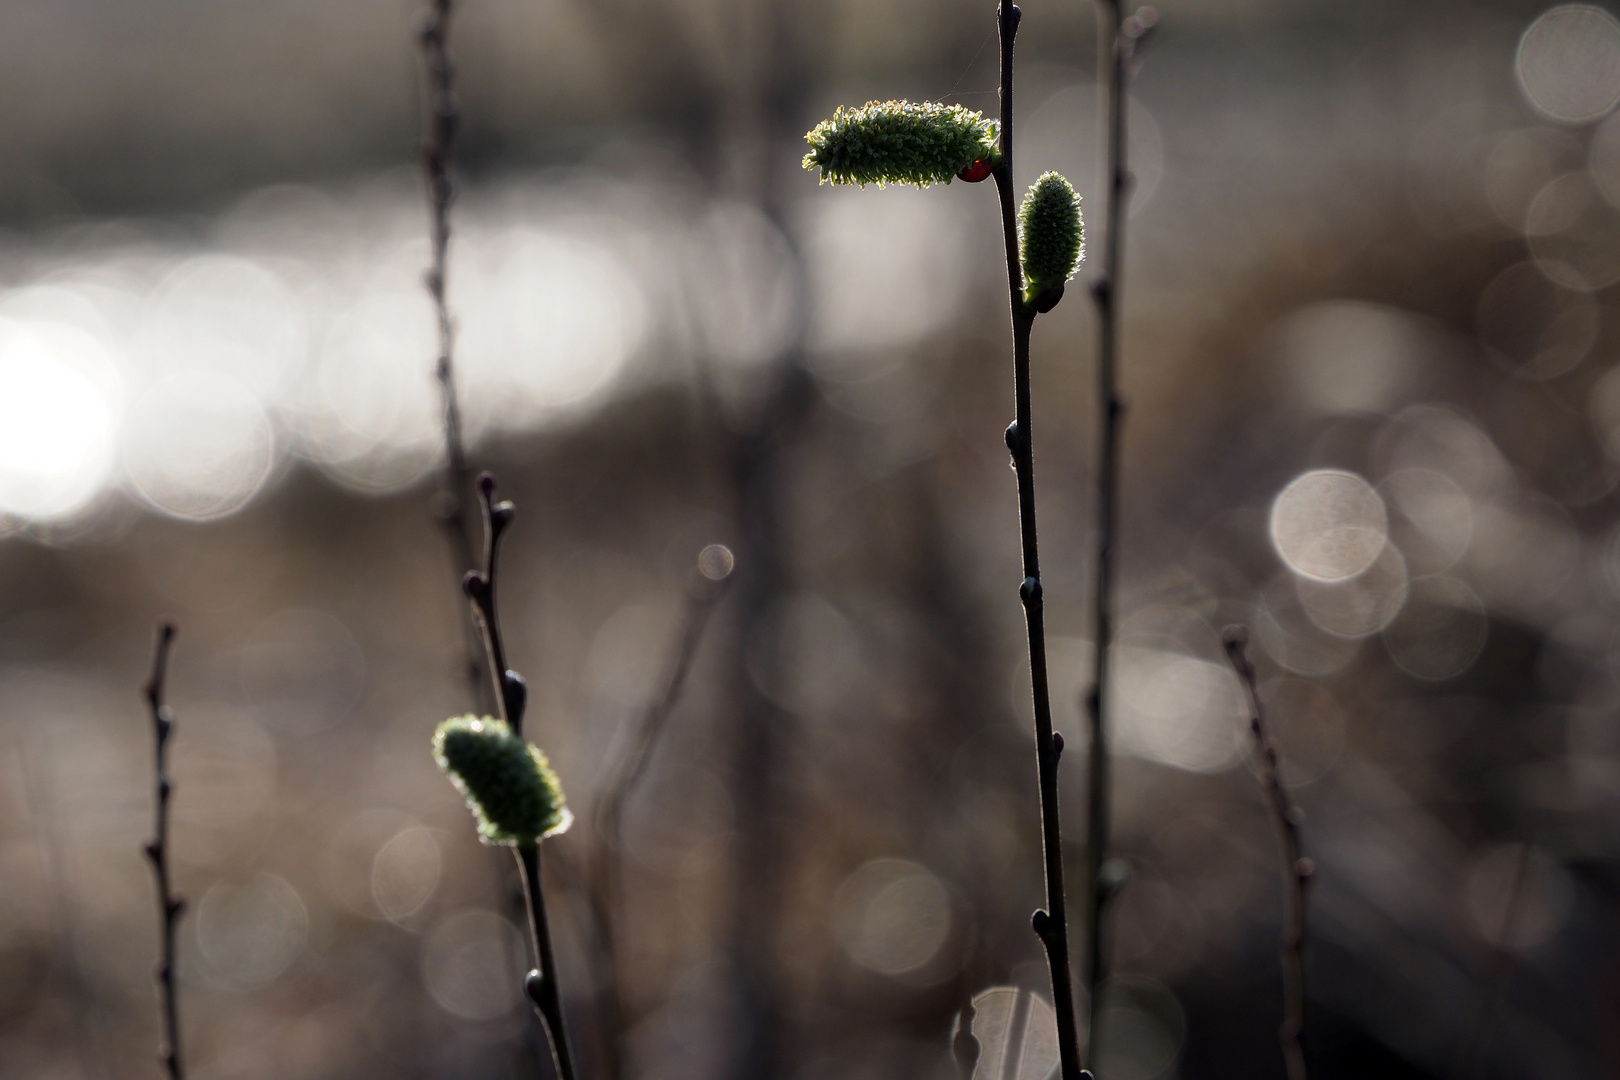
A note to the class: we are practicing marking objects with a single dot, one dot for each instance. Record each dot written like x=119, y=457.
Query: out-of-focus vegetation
x=1369, y=352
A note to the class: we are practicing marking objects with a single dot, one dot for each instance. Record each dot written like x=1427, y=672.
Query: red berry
x=979, y=170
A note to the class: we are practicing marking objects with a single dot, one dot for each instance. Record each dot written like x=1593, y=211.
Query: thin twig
x=511, y=694
x=1051, y=924
x=1494, y=988
x=1297, y=869
x=157, y=851
x=444, y=122
x=1117, y=42
x=541, y=983
x=707, y=583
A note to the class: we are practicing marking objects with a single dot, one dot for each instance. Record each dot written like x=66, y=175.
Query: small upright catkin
x=900, y=142
x=1050, y=235
x=508, y=782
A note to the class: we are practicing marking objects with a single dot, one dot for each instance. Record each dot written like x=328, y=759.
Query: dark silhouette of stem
x=705, y=586
x=511, y=694
x=1051, y=924
x=541, y=983
x=444, y=121
x=1118, y=40
x=157, y=851
x=1495, y=985
x=965, y=1046
x=1297, y=869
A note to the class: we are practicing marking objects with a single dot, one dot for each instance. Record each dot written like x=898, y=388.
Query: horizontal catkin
x=900, y=142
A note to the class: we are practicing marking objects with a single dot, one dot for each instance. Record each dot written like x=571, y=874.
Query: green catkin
x=508, y=782
x=900, y=142
x=1051, y=235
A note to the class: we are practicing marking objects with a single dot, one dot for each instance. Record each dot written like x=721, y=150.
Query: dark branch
x=1118, y=39
x=1051, y=924
x=1297, y=869
x=706, y=585
x=965, y=1046
x=444, y=121
x=541, y=983
x=157, y=851
x=512, y=695
x=1493, y=988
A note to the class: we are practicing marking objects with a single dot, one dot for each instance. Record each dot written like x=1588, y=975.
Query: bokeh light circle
x=1440, y=516
x=716, y=562
x=891, y=916
x=1440, y=632
x=1017, y=1031
x=1603, y=158
x=1533, y=327
x=1359, y=606
x=199, y=445
x=1568, y=63
x=250, y=933
x=472, y=965
x=1574, y=234
x=1329, y=525
x=405, y=873
x=1179, y=710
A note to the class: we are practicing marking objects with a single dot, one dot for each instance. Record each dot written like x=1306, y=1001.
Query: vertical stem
x=1297, y=869
x=1112, y=59
x=479, y=585
x=965, y=1046
x=512, y=696
x=444, y=121
x=157, y=851
x=704, y=589
x=541, y=984
x=1050, y=924
x=1495, y=985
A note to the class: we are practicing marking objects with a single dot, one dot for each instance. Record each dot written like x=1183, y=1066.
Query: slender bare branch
x=706, y=584
x=1118, y=39
x=511, y=694
x=541, y=983
x=157, y=852
x=1493, y=988
x=1297, y=869
x=1051, y=923
x=444, y=122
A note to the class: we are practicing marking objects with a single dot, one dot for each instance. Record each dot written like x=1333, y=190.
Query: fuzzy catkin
x=900, y=142
x=1051, y=235
x=510, y=786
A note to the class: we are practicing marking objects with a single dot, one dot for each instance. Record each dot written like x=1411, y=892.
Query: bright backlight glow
x=56, y=423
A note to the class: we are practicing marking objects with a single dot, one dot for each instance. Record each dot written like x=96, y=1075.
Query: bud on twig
x=1050, y=237
x=508, y=782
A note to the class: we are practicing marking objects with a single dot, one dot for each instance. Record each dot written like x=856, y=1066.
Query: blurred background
x=1370, y=354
